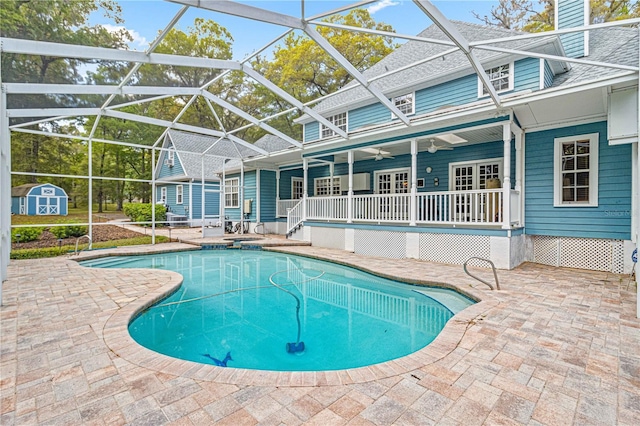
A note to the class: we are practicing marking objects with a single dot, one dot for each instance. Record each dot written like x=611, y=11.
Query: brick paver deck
x=554, y=346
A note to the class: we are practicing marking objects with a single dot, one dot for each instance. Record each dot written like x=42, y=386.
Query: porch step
x=293, y=231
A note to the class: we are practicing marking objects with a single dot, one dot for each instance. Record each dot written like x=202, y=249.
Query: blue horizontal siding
x=249, y=194
x=368, y=115
x=571, y=14
x=212, y=200
x=456, y=92
x=610, y=219
x=285, y=182
x=311, y=131
x=527, y=74
x=166, y=171
x=267, y=196
x=548, y=75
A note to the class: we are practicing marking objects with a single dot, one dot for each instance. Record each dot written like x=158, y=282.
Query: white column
x=5, y=190
x=257, y=196
x=506, y=173
x=519, y=186
x=331, y=170
x=153, y=192
x=241, y=197
x=350, y=193
x=277, y=191
x=414, y=183
x=305, y=182
x=222, y=193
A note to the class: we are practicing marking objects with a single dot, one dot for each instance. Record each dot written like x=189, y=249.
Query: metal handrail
x=493, y=267
x=76, y=252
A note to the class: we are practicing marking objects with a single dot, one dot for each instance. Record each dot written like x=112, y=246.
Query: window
x=501, y=79
x=231, y=193
x=297, y=188
x=404, y=103
x=576, y=171
x=48, y=191
x=339, y=120
x=163, y=195
x=472, y=175
x=322, y=186
x=178, y=194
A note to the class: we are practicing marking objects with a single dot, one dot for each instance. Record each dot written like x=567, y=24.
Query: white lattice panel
x=455, y=248
x=581, y=253
x=327, y=237
x=380, y=243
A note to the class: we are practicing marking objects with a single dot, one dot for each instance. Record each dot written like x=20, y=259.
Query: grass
x=57, y=251
x=80, y=214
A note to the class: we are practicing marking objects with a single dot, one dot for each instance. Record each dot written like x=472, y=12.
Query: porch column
x=331, y=170
x=305, y=180
x=506, y=172
x=277, y=192
x=413, y=212
x=241, y=197
x=350, y=193
x=520, y=174
x=223, y=197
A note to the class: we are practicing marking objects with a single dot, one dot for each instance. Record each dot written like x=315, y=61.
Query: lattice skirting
x=581, y=253
x=380, y=243
x=328, y=237
x=454, y=248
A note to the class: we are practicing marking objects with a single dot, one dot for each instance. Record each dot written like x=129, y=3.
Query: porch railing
x=478, y=207
x=295, y=216
x=284, y=205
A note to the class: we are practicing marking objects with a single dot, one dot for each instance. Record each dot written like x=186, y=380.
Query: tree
x=508, y=14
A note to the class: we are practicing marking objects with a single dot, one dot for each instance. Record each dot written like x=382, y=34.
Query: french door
x=392, y=182
x=470, y=176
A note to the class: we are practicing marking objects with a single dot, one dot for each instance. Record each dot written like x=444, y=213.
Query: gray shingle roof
x=614, y=45
x=271, y=143
x=23, y=190
x=413, y=51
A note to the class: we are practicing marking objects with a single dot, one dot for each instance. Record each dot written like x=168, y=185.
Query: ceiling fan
x=433, y=148
x=380, y=155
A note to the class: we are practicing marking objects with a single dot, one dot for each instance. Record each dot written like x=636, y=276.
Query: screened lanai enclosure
x=275, y=131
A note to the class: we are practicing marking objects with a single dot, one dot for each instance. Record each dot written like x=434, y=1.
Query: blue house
x=532, y=163
x=39, y=199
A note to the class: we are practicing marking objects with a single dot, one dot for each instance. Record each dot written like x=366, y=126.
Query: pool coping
x=117, y=338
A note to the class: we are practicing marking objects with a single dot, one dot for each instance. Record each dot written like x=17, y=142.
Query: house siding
x=212, y=200
x=193, y=192
x=267, y=196
x=527, y=74
x=285, y=182
x=168, y=172
x=249, y=194
x=548, y=75
x=610, y=219
x=571, y=14
x=312, y=131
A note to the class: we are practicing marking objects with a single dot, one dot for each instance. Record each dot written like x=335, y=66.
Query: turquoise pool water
x=270, y=311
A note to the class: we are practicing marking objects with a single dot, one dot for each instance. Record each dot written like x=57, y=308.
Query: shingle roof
x=413, y=51
x=23, y=190
x=191, y=146
x=614, y=45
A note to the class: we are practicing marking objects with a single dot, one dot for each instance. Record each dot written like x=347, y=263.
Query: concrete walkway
x=554, y=347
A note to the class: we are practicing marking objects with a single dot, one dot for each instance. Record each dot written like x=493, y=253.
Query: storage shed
x=39, y=199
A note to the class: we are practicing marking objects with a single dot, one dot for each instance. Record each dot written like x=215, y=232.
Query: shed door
x=47, y=205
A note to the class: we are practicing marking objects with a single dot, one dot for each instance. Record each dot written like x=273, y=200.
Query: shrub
x=38, y=253
x=139, y=212
x=71, y=230
x=26, y=234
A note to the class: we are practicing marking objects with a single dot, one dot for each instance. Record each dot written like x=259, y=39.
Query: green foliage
x=58, y=251
x=139, y=212
x=26, y=234
x=72, y=230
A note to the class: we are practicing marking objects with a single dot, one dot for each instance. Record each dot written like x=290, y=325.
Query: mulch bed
x=100, y=233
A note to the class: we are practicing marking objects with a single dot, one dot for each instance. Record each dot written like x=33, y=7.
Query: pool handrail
x=493, y=267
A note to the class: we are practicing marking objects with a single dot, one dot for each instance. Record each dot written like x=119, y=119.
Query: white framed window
x=322, y=186
x=179, y=189
x=405, y=103
x=575, y=177
x=338, y=120
x=472, y=175
x=48, y=191
x=392, y=181
x=163, y=195
x=297, y=188
x=501, y=78
x=232, y=193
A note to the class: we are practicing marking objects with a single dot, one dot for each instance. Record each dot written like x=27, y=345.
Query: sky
x=144, y=18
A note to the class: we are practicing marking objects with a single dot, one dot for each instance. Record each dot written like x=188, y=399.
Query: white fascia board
x=357, y=75
x=87, y=89
x=454, y=35
x=249, y=118
x=245, y=11
x=44, y=48
x=293, y=101
x=51, y=112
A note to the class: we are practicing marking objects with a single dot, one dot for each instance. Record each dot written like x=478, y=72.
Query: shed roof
x=23, y=190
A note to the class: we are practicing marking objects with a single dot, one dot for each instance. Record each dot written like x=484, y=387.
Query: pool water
x=271, y=311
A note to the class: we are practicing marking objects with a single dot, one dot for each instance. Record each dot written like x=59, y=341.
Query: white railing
x=283, y=205
x=327, y=208
x=460, y=207
x=382, y=207
x=295, y=216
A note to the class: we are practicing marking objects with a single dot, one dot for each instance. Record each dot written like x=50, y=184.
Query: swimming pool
x=271, y=311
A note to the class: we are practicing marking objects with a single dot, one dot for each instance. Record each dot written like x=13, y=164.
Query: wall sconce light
x=436, y=181
x=429, y=169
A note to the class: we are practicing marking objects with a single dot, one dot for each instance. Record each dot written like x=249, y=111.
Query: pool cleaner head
x=294, y=348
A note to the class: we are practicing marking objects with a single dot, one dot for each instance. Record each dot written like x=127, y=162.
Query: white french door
x=469, y=176
x=392, y=182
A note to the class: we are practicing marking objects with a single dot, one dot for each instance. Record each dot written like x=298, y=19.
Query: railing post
x=350, y=193
x=506, y=184
x=305, y=170
x=413, y=206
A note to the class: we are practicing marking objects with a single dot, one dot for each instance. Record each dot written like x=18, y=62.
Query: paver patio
x=554, y=346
